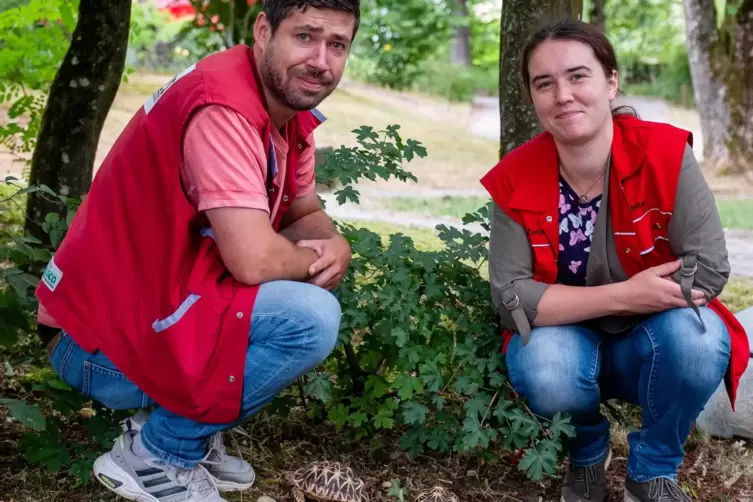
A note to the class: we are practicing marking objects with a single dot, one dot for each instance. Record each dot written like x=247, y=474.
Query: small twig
x=534, y=415
x=491, y=403
x=451, y=379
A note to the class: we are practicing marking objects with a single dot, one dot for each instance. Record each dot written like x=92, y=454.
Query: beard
x=281, y=83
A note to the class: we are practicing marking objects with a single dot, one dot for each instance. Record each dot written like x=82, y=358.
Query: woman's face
x=571, y=94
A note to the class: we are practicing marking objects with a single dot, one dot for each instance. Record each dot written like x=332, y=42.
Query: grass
x=738, y=294
x=425, y=239
x=452, y=206
x=442, y=127
x=736, y=213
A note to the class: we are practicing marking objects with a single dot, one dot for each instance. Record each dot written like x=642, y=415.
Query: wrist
x=618, y=298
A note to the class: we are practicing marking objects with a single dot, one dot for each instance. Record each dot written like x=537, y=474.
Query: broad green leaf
x=28, y=414
x=320, y=388
x=339, y=415
x=384, y=419
x=407, y=386
x=560, y=426
x=414, y=413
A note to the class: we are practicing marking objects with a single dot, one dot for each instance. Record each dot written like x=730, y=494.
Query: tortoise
x=327, y=481
x=437, y=494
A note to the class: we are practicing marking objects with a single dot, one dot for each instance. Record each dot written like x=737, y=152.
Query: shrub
x=419, y=343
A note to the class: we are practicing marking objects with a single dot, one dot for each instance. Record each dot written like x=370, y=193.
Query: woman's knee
x=557, y=370
x=696, y=357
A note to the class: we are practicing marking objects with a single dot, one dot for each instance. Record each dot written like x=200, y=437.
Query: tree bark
x=520, y=18
x=596, y=15
x=461, y=41
x=80, y=97
x=740, y=83
x=721, y=65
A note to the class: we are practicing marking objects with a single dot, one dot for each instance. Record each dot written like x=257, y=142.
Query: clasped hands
x=334, y=258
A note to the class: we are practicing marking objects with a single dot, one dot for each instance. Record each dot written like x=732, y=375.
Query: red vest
x=646, y=163
x=139, y=276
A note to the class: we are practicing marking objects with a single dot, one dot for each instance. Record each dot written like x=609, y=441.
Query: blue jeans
x=666, y=364
x=294, y=327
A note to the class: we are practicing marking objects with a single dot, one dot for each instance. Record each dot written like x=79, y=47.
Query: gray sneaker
x=587, y=484
x=151, y=479
x=656, y=490
x=230, y=473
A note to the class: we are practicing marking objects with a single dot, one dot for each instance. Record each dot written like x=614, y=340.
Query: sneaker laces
x=587, y=477
x=666, y=490
x=198, y=482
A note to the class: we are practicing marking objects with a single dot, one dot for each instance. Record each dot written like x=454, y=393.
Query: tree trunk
x=461, y=41
x=596, y=14
x=721, y=65
x=520, y=18
x=740, y=84
x=80, y=97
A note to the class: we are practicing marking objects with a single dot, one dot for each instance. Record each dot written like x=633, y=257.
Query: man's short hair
x=277, y=10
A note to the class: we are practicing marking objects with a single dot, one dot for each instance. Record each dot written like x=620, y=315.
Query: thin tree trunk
x=596, y=14
x=520, y=18
x=740, y=84
x=80, y=97
x=710, y=91
x=461, y=41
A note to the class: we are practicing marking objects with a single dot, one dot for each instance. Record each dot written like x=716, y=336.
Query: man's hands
x=334, y=259
x=653, y=290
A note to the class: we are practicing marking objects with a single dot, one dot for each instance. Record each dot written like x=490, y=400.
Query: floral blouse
x=577, y=222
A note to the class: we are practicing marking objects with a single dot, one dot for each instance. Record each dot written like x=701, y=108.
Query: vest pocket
x=163, y=324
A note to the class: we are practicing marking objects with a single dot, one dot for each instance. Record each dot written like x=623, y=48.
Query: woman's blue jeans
x=667, y=364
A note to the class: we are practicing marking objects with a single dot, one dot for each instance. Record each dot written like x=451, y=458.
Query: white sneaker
x=230, y=473
x=151, y=479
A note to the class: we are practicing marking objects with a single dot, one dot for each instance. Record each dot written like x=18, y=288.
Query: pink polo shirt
x=224, y=165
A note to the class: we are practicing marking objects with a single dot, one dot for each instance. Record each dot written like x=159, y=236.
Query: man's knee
x=320, y=311
x=556, y=372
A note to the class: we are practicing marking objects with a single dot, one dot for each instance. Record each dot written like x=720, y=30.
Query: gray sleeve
x=511, y=273
x=695, y=230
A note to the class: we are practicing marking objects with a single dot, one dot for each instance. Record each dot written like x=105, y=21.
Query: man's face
x=304, y=60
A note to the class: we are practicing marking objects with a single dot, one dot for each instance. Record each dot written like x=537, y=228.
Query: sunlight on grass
x=738, y=294
x=425, y=239
x=736, y=213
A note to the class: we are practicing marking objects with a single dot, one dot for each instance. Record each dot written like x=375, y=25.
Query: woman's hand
x=653, y=291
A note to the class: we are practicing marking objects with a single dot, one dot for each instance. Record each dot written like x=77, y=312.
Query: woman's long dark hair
x=577, y=31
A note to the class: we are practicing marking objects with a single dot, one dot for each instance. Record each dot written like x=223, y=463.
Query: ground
x=462, y=146
x=713, y=470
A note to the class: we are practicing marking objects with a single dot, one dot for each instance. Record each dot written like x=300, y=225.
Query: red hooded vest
x=139, y=276
x=646, y=162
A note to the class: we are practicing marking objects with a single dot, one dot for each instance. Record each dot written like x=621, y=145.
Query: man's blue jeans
x=667, y=364
x=294, y=327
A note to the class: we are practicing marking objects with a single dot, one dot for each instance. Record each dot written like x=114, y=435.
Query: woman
x=607, y=256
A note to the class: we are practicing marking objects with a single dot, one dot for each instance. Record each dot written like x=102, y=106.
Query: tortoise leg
x=298, y=495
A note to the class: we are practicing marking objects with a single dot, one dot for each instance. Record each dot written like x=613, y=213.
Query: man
x=202, y=226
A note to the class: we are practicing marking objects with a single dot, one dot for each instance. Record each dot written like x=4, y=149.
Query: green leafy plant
x=34, y=37
x=419, y=346
x=397, y=35
x=43, y=404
